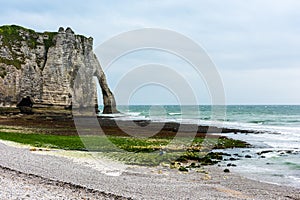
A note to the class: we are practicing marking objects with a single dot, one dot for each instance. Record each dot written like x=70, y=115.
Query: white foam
x=174, y=113
x=291, y=132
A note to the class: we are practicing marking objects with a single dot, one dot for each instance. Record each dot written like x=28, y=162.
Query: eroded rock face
x=53, y=68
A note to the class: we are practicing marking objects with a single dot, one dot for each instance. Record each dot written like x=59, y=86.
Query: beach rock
x=244, y=151
x=183, y=169
x=48, y=66
x=263, y=152
x=226, y=154
x=192, y=165
x=175, y=165
x=231, y=165
x=226, y=170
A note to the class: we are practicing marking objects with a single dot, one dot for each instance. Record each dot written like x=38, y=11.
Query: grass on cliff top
x=11, y=37
x=13, y=29
x=140, y=151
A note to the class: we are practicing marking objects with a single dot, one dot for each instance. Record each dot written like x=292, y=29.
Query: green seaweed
x=130, y=150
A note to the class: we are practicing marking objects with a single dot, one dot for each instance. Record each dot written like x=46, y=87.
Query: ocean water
x=275, y=151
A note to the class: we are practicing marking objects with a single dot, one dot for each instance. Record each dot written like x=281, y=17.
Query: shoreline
x=62, y=124
x=136, y=182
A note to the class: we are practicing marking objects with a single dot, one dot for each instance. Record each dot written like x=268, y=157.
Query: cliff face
x=44, y=66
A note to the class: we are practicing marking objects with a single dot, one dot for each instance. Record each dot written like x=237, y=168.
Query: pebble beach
x=27, y=174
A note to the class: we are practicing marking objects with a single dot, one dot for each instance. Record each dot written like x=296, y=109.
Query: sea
x=274, y=155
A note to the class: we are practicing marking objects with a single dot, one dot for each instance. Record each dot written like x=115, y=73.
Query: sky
x=254, y=45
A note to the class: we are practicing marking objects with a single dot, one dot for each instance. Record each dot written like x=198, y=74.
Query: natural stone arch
x=48, y=75
x=109, y=101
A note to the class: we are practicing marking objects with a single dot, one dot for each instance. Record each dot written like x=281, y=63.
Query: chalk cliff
x=47, y=67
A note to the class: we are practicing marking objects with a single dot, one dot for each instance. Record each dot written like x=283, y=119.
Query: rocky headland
x=46, y=67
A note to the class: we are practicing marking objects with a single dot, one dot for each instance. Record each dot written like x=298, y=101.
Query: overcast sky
x=255, y=45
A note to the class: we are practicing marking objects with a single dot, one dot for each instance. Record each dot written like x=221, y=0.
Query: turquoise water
x=287, y=115
x=279, y=127
x=246, y=116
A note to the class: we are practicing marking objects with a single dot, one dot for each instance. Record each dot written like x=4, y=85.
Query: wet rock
x=226, y=154
x=183, y=169
x=244, y=151
x=182, y=159
x=263, y=152
x=175, y=165
x=194, y=165
x=231, y=165
x=215, y=155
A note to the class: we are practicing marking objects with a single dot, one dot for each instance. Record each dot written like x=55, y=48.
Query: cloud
x=241, y=37
x=262, y=86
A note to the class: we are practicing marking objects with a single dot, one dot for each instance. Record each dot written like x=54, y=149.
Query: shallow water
x=273, y=159
x=280, y=125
